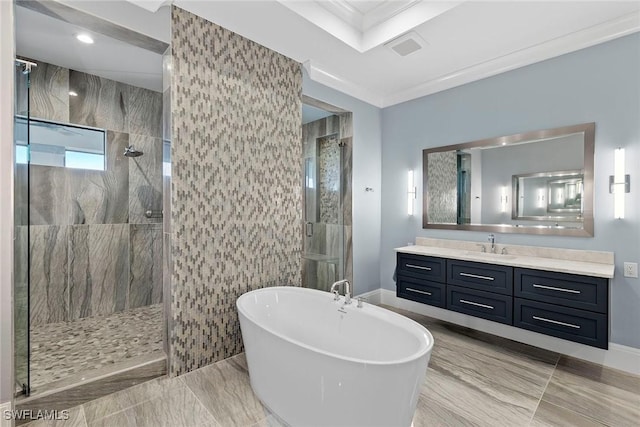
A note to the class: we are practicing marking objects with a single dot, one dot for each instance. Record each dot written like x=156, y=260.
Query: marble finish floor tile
x=175, y=406
x=128, y=398
x=75, y=419
x=59, y=350
x=270, y=421
x=225, y=391
x=473, y=379
x=605, y=395
x=550, y=415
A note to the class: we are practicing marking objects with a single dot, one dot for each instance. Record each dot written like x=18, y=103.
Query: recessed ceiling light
x=72, y=93
x=84, y=38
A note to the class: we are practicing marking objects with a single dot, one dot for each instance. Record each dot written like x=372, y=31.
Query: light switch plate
x=631, y=269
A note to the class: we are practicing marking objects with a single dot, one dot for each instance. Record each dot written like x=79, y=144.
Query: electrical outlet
x=631, y=269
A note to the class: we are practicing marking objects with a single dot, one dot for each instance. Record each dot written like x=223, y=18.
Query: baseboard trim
x=6, y=406
x=372, y=297
x=618, y=356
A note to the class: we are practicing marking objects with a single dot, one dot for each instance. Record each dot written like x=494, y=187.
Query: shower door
x=324, y=234
x=21, y=227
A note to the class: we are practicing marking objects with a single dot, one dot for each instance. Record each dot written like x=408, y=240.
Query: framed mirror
x=538, y=182
x=548, y=196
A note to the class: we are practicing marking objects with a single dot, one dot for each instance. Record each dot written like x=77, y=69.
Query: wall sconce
x=619, y=183
x=504, y=199
x=540, y=198
x=411, y=192
x=559, y=196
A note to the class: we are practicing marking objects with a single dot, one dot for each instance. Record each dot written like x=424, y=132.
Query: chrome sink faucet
x=347, y=291
x=492, y=239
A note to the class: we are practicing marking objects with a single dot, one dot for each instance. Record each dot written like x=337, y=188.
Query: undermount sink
x=490, y=255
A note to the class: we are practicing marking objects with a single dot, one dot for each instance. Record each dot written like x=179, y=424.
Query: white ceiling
x=341, y=42
x=466, y=40
x=42, y=38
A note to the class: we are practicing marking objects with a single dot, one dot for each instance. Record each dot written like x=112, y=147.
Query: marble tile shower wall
x=236, y=183
x=320, y=145
x=93, y=251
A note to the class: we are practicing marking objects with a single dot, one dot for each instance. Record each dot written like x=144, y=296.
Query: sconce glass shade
x=411, y=192
x=540, y=198
x=619, y=184
x=504, y=199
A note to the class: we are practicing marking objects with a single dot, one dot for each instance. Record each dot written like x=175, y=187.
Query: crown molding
x=339, y=19
x=601, y=33
x=606, y=31
x=319, y=75
x=151, y=5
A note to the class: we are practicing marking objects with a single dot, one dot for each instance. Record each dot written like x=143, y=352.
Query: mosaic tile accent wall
x=442, y=174
x=236, y=183
x=329, y=179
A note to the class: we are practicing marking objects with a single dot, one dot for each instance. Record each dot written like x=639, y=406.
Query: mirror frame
x=589, y=146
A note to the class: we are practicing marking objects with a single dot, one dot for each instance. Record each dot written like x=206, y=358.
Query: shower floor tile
x=61, y=350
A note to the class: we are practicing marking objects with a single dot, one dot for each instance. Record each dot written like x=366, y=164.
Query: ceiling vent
x=406, y=44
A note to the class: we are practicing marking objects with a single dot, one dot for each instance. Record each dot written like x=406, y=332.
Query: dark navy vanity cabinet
x=477, y=275
x=487, y=305
x=422, y=279
x=568, y=306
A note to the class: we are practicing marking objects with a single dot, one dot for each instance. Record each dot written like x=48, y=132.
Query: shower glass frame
x=21, y=282
x=314, y=257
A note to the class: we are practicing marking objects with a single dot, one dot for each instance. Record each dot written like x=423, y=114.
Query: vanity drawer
x=571, y=290
x=477, y=275
x=424, y=291
x=421, y=267
x=487, y=305
x=570, y=324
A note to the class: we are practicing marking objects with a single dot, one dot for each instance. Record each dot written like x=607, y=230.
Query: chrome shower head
x=130, y=151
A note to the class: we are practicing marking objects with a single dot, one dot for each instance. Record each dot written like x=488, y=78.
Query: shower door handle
x=309, y=229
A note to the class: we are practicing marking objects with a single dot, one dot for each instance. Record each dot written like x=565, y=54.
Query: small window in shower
x=60, y=144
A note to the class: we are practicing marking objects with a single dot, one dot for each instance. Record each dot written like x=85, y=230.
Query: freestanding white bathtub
x=314, y=361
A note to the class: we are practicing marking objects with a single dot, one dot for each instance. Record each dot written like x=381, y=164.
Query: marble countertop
x=594, y=269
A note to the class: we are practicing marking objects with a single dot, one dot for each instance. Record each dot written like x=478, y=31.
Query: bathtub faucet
x=347, y=291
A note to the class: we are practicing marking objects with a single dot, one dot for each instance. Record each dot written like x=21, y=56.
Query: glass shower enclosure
x=21, y=225
x=324, y=233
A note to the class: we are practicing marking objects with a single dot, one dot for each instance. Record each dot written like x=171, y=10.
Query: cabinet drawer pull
x=557, y=322
x=475, y=276
x=419, y=291
x=464, y=301
x=419, y=267
x=553, y=288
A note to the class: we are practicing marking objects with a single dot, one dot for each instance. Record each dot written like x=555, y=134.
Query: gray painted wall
x=599, y=84
x=500, y=164
x=366, y=173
